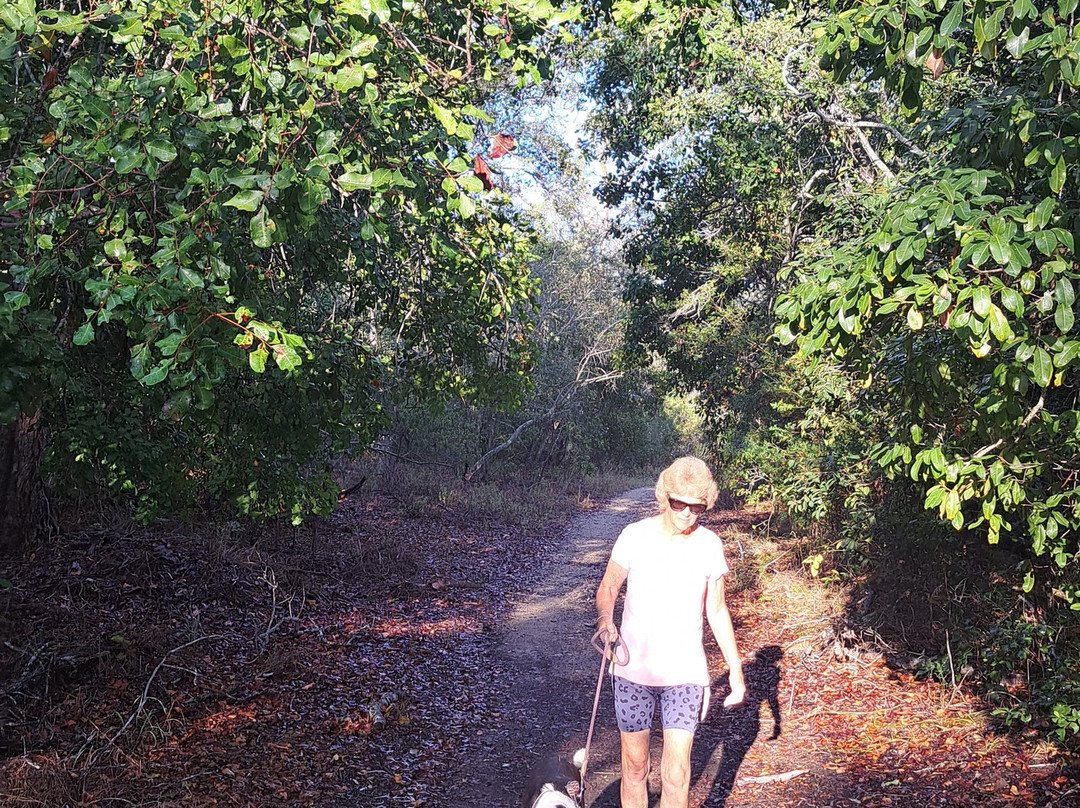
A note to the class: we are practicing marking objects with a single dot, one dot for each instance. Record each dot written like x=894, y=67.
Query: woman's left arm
x=719, y=617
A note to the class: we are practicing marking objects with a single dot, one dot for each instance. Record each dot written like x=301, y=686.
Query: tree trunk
x=23, y=502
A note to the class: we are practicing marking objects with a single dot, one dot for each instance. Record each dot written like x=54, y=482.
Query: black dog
x=555, y=783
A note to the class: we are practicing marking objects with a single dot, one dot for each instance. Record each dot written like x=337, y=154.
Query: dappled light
x=340, y=339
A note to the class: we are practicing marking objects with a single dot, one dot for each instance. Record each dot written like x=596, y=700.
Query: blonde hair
x=690, y=477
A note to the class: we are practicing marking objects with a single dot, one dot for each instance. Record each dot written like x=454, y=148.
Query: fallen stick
x=772, y=778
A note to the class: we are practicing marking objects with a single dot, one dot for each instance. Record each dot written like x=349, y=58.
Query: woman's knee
x=635, y=757
x=675, y=772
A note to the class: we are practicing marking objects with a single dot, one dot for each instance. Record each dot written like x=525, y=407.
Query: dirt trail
x=826, y=721
x=548, y=669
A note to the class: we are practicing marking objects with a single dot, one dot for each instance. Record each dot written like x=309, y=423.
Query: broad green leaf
x=127, y=157
x=1013, y=301
x=1045, y=241
x=262, y=228
x=115, y=249
x=914, y=319
x=257, y=359
x=951, y=20
x=158, y=374
x=161, y=150
x=245, y=200
x=466, y=206
x=352, y=181
x=1016, y=43
x=445, y=117
x=980, y=301
x=848, y=322
x=17, y=300
x=999, y=324
x=85, y=334
x=1064, y=318
x=1057, y=176
x=1042, y=368
x=286, y=357
x=168, y=344
x=191, y=278
x=999, y=249
x=1064, y=293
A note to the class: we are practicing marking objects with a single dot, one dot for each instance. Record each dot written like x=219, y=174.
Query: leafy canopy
x=197, y=192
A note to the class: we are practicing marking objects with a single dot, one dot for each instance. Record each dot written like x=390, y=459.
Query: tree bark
x=23, y=502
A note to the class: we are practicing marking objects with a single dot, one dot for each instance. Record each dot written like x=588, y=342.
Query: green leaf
x=1016, y=43
x=1057, y=176
x=44, y=241
x=1013, y=301
x=1045, y=241
x=158, y=374
x=980, y=300
x=245, y=200
x=365, y=8
x=914, y=319
x=286, y=357
x=127, y=157
x=116, y=249
x=466, y=206
x=1042, y=368
x=1064, y=294
x=952, y=20
x=161, y=150
x=352, y=181
x=17, y=300
x=169, y=343
x=262, y=228
x=445, y=117
x=257, y=359
x=999, y=324
x=1064, y=318
x=848, y=322
x=190, y=277
x=999, y=249
x=85, y=334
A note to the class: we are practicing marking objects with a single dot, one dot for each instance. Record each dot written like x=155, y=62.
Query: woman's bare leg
x=634, y=786
x=675, y=768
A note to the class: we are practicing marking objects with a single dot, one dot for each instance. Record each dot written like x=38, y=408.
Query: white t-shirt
x=665, y=601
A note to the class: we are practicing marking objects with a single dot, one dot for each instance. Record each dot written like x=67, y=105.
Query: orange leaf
x=501, y=144
x=481, y=170
x=48, y=81
x=935, y=64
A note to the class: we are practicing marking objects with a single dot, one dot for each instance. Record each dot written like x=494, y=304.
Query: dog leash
x=606, y=654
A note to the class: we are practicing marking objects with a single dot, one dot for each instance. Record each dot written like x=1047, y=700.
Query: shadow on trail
x=724, y=738
x=727, y=734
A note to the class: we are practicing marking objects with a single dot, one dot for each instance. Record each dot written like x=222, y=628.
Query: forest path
x=548, y=668
x=826, y=722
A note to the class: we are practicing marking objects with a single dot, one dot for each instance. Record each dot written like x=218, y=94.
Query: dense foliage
x=890, y=190
x=956, y=291
x=197, y=192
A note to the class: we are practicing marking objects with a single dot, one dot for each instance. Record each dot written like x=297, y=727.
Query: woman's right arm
x=606, y=595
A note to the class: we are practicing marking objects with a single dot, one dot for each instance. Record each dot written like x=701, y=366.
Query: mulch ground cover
x=348, y=664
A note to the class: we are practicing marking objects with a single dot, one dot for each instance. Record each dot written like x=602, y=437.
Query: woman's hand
x=738, y=687
x=606, y=631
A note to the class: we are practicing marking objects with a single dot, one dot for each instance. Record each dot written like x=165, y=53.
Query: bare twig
x=773, y=778
x=146, y=691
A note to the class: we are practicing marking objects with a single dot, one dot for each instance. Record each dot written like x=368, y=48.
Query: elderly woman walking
x=674, y=571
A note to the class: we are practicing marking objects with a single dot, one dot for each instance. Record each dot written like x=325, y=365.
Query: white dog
x=555, y=783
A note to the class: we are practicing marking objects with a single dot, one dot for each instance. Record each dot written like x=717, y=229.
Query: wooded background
x=242, y=243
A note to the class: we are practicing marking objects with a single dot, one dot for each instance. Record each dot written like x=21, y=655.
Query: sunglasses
x=696, y=508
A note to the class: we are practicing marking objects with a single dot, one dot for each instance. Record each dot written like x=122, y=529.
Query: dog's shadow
x=726, y=735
